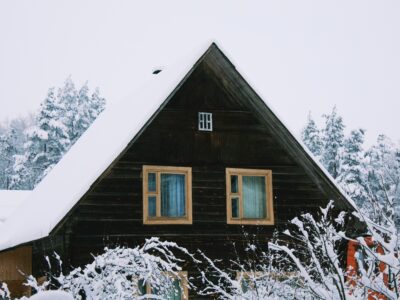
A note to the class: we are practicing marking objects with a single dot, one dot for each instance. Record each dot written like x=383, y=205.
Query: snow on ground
x=10, y=200
x=52, y=295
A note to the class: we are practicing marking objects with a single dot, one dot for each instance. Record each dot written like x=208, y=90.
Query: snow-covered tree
x=8, y=149
x=352, y=172
x=67, y=97
x=12, y=138
x=311, y=137
x=332, y=138
x=97, y=104
x=47, y=141
x=61, y=120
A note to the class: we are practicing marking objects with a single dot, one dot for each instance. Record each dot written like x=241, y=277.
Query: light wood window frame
x=241, y=275
x=158, y=219
x=269, y=219
x=183, y=276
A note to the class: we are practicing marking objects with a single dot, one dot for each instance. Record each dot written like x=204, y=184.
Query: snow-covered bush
x=4, y=292
x=316, y=253
x=258, y=274
x=379, y=255
x=151, y=270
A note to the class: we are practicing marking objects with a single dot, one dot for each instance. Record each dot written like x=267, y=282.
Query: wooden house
x=196, y=156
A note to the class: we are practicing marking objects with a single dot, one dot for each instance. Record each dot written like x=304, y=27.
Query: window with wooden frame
x=167, y=195
x=178, y=291
x=249, y=197
x=250, y=280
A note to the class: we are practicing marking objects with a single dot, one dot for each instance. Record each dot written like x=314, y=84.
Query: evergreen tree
x=68, y=99
x=81, y=117
x=97, y=104
x=383, y=169
x=8, y=149
x=332, y=138
x=48, y=140
x=61, y=120
x=352, y=172
x=311, y=137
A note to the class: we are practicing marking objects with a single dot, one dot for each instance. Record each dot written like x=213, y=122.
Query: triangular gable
x=114, y=130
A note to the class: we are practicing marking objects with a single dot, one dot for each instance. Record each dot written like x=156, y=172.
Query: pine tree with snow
x=48, y=140
x=332, y=138
x=352, y=171
x=97, y=104
x=383, y=172
x=61, y=120
x=81, y=117
x=68, y=98
x=8, y=148
x=310, y=135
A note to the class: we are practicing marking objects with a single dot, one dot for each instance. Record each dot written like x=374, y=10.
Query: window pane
x=152, y=206
x=175, y=293
x=245, y=285
x=234, y=184
x=152, y=186
x=172, y=293
x=254, y=197
x=235, y=207
x=142, y=287
x=173, y=195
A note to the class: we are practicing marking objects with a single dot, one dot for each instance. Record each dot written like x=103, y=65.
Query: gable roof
x=111, y=133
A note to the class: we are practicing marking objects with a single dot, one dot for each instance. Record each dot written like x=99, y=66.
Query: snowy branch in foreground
x=316, y=255
x=254, y=275
x=4, y=292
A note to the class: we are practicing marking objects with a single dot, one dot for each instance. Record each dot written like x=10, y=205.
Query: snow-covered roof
x=91, y=155
x=10, y=200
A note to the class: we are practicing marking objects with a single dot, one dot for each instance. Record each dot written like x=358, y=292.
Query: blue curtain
x=172, y=293
x=254, y=197
x=175, y=293
x=173, y=195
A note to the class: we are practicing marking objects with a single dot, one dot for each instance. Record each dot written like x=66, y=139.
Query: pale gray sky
x=300, y=55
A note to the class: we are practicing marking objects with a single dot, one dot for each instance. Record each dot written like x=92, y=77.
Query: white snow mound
x=52, y=295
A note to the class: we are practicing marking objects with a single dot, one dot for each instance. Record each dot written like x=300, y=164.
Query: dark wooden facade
x=246, y=135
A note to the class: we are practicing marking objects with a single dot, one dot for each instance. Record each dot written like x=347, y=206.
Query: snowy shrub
x=258, y=274
x=125, y=273
x=379, y=260
x=316, y=253
x=4, y=292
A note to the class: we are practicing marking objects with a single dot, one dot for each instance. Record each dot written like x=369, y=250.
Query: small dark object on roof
x=156, y=71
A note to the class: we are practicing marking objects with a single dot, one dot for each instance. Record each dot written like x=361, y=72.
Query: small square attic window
x=205, y=121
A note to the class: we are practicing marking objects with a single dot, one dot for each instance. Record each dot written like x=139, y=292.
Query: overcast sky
x=300, y=55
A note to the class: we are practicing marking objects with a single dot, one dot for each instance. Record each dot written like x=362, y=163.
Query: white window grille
x=205, y=121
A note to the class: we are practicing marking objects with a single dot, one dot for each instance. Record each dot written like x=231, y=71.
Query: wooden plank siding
x=111, y=211
x=13, y=264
